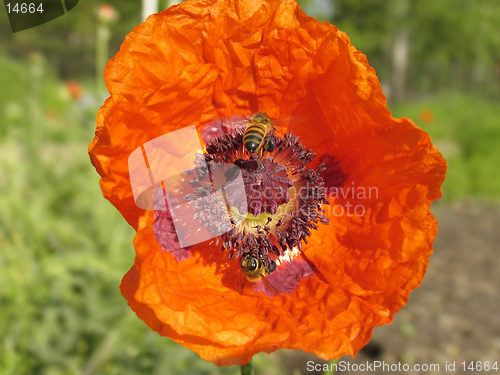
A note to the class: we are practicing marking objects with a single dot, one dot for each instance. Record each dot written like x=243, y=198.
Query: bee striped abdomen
x=254, y=137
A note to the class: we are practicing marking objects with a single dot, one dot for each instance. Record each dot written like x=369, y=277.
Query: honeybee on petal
x=258, y=132
x=255, y=268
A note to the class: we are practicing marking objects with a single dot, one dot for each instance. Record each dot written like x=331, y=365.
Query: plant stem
x=102, y=48
x=149, y=7
x=36, y=120
x=247, y=369
x=332, y=368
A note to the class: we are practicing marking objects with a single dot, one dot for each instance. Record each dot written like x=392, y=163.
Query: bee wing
x=231, y=122
x=270, y=290
x=285, y=124
x=218, y=126
x=261, y=286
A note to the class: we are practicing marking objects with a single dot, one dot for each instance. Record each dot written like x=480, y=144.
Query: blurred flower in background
x=426, y=116
x=73, y=89
x=107, y=13
x=51, y=115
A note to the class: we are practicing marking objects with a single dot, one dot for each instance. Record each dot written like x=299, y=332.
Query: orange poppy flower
x=344, y=268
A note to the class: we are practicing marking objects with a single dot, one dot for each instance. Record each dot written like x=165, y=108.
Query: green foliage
x=366, y=22
x=452, y=43
x=455, y=44
x=68, y=41
x=467, y=132
x=13, y=75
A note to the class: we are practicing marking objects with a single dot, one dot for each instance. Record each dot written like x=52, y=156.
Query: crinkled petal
x=193, y=304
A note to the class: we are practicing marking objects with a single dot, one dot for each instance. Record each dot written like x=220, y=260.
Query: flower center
x=260, y=202
x=273, y=199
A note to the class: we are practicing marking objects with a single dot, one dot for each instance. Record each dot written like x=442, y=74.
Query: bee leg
x=274, y=128
x=271, y=267
x=270, y=144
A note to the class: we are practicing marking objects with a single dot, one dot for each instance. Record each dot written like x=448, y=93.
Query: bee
x=257, y=134
x=259, y=129
x=255, y=268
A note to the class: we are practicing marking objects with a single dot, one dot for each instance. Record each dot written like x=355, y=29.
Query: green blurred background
x=64, y=248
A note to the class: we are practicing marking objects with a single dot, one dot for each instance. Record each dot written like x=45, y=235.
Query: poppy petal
x=203, y=59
